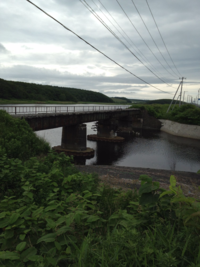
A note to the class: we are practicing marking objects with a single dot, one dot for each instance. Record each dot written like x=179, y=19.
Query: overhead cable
x=143, y=38
x=115, y=35
x=95, y=47
x=123, y=32
x=141, y=54
x=151, y=36
x=162, y=37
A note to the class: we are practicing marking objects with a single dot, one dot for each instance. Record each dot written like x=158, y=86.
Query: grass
x=15, y=101
x=119, y=101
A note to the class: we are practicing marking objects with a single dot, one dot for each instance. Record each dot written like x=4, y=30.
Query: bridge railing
x=18, y=110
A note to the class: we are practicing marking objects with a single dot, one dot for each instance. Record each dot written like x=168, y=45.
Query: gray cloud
x=25, y=30
x=3, y=50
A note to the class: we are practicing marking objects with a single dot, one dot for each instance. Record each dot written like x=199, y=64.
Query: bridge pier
x=74, y=137
x=106, y=129
x=73, y=143
x=106, y=132
x=129, y=126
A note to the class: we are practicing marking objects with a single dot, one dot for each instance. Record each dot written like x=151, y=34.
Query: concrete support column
x=74, y=137
x=105, y=131
x=128, y=125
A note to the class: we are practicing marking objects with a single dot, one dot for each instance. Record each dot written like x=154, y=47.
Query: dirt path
x=128, y=177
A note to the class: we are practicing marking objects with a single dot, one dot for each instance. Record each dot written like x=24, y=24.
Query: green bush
x=18, y=140
x=52, y=215
x=187, y=113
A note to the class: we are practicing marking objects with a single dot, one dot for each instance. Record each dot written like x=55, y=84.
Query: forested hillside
x=121, y=100
x=31, y=91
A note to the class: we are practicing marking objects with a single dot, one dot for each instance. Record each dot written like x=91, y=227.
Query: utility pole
x=189, y=99
x=173, y=98
x=181, y=90
x=180, y=84
x=198, y=97
x=184, y=96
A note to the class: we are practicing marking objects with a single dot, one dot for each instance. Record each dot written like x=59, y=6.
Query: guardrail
x=17, y=110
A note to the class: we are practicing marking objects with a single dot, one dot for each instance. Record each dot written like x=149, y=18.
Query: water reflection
x=161, y=151
x=156, y=150
x=108, y=153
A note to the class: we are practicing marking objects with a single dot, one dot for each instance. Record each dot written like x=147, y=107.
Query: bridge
x=73, y=118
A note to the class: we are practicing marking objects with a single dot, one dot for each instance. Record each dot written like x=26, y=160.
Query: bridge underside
x=74, y=132
x=49, y=121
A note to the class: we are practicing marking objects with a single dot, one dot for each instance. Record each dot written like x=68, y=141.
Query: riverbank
x=180, y=129
x=27, y=102
x=128, y=177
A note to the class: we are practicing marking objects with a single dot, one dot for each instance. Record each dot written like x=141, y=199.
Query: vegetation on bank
x=53, y=215
x=17, y=140
x=14, y=101
x=187, y=113
x=157, y=101
x=121, y=100
x=29, y=91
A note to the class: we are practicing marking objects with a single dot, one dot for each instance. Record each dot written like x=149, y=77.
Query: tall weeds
x=52, y=215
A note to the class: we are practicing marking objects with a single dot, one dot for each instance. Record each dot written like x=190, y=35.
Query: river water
x=156, y=150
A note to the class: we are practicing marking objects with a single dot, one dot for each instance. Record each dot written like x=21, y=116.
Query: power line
x=115, y=35
x=94, y=47
x=130, y=42
x=142, y=37
x=151, y=36
x=142, y=55
x=162, y=37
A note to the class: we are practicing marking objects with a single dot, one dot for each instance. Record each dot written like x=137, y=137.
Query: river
x=156, y=150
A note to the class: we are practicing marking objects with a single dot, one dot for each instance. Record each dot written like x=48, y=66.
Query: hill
x=123, y=100
x=31, y=91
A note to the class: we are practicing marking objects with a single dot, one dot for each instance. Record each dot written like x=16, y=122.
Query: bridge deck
x=19, y=110
x=43, y=121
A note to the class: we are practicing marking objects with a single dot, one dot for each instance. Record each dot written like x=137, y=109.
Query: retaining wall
x=179, y=129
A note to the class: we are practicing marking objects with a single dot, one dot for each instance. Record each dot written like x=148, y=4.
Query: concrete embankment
x=179, y=129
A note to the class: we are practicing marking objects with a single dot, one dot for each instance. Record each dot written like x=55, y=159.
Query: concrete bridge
x=73, y=118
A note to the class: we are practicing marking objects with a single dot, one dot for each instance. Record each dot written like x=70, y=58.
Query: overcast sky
x=34, y=48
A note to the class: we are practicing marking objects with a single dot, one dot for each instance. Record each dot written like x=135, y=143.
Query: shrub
x=55, y=216
x=187, y=113
x=18, y=140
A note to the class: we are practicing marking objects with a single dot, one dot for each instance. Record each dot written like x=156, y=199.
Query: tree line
x=31, y=91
